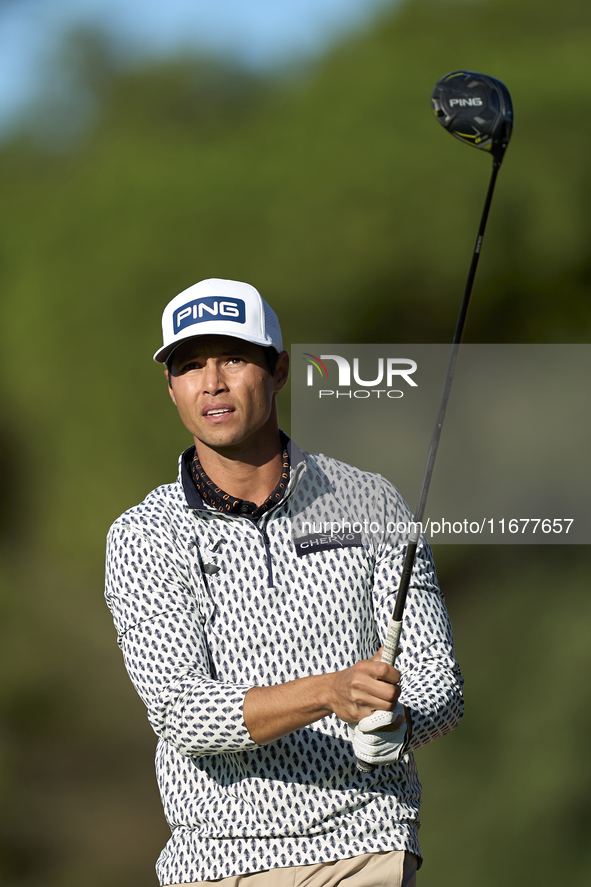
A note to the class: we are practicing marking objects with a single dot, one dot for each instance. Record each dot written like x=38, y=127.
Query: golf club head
x=476, y=109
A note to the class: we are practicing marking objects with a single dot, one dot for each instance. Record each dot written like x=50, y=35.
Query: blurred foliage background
x=330, y=187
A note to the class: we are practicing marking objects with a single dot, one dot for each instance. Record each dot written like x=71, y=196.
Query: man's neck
x=251, y=476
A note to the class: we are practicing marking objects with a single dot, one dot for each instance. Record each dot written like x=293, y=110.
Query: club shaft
x=395, y=627
x=412, y=544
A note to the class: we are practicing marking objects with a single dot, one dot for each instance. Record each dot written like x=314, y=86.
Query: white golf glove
x=374, y=743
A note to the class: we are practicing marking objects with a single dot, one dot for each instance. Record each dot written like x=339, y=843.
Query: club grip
x=392, y=640
x=388, y=656
x=395, y=625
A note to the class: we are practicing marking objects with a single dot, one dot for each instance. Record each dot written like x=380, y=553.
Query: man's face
x=224, y=392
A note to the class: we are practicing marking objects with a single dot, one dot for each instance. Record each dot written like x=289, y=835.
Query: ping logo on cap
x=202, y=310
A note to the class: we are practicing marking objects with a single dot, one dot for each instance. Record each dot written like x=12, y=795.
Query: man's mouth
x=218, y=412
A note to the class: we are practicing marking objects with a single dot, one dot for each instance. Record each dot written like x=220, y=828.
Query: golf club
x=476, y=109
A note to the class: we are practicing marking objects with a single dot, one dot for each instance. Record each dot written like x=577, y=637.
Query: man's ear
x=168, y=375
x=281, y=371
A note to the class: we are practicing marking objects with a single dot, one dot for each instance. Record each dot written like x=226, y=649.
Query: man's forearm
x=353, y=693
x=273, y=712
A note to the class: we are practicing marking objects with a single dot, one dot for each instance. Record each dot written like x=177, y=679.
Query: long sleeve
x=150, y=594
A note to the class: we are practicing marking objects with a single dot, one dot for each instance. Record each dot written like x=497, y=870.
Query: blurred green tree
x=334, y=191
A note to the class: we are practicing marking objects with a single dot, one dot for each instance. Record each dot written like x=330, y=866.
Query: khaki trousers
x=393, y=869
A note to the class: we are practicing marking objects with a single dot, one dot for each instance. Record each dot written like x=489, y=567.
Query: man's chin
x=221, y=441
x=232, y=444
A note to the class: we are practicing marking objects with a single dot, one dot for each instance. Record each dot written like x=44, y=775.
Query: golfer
x=251, y=598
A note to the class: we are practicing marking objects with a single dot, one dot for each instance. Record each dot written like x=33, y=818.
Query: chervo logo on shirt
x=324, y=541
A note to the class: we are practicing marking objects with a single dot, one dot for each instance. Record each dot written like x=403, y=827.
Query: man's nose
x=213, y=378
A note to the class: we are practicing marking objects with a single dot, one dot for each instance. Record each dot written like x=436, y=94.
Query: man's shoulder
x=164, y=507
x=350, y=482
x=343, y=471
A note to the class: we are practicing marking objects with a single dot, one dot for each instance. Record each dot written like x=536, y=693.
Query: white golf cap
x=220, y=308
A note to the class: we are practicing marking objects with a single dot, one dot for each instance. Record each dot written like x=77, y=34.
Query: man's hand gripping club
x=381, y=734
x=366, y=692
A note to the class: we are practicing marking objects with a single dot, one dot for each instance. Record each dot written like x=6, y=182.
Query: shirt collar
x=194, y=500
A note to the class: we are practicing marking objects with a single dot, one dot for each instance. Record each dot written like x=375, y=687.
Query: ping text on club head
x=463, y=103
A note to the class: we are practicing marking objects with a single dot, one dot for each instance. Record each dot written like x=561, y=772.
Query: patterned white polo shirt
x=207, y=605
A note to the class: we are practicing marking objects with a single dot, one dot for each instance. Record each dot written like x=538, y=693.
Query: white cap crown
x=222, y=308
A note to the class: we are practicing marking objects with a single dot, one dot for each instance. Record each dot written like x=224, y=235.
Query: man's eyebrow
x=239, y=349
